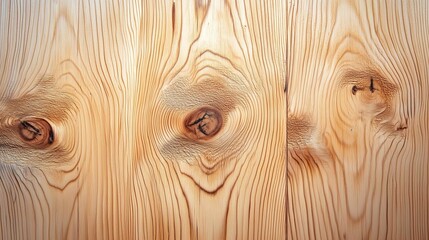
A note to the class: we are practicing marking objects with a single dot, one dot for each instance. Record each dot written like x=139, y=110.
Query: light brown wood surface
x=358, y=152
x=118, y=83
x=211, y=119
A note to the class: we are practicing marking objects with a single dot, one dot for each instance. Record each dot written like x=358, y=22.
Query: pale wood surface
x=314, y=119
x=116, y=80
x=358, y=156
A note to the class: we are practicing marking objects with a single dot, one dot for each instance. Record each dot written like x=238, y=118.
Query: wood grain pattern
x=116, y=81
x=358, y=114
x=210, y=119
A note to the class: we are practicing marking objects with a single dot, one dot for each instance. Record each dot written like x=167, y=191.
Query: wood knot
x=204, y=123
x=371, y=87
x=36, y=132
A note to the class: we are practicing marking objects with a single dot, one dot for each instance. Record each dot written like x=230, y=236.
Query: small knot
x=203, y=123
x=354, y=89
x=36, y=132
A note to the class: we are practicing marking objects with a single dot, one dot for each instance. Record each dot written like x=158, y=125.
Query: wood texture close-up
x=167, y=119
x=358, y=136
x=209, y=119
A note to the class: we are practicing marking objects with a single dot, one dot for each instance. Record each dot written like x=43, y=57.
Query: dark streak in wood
x=174, y=15
x=371, y=86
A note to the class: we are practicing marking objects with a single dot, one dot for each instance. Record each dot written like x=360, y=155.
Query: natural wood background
x=116, y=81
x=358, y=156
x=323, y=104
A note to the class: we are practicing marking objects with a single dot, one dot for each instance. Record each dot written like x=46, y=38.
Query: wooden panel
x=357, y=119
x=142, y=119
x=230, y=185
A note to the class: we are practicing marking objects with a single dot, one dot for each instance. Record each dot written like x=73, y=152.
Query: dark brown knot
x=203, y=123
x=36, y=132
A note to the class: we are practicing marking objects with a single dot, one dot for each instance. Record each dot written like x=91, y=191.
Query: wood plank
x=230, y=185
x=357, y=119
